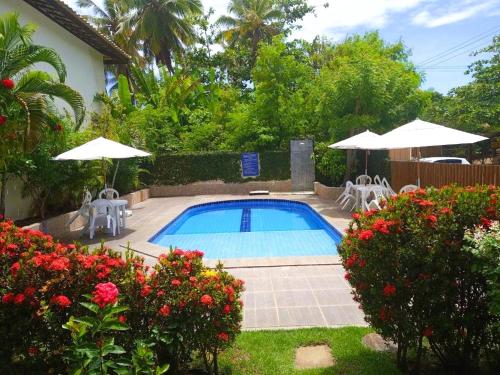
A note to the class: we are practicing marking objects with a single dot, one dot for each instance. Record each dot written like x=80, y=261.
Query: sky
x=441, y=34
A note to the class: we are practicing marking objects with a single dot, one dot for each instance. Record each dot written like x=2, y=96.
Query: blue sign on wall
x=250, y=164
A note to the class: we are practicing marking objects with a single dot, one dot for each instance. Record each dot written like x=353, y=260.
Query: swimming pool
x=251, y=228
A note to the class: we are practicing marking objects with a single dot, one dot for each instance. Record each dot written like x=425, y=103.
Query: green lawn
x=272, y=353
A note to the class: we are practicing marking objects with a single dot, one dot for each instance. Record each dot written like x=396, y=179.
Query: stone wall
x=219, y=187
x=327, y=192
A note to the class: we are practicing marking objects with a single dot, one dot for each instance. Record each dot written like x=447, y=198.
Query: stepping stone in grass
x=316, y=356
x=376, y=342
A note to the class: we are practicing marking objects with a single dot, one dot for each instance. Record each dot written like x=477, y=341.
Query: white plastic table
x=363, y=191
x=119, y=206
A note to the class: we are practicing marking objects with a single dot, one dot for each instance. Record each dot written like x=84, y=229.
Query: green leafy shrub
x=178, y=169
x=414, y=280
x=181, y=308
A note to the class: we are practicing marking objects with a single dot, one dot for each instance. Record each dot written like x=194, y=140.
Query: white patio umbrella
x=360, y=141
x=100, y=149
x=420, y=133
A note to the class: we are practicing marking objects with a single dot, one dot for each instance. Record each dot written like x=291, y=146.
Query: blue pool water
x=251, y=228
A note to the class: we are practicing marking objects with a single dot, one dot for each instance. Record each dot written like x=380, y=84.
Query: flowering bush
x=413, y=279
x=180, y=305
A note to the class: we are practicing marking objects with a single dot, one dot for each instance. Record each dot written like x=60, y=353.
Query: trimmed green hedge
x=180, y=169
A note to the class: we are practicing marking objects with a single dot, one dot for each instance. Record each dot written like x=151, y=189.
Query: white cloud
x=435, y=15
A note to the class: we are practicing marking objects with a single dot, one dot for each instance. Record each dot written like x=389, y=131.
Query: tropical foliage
x=64, y=307
x=417, y=284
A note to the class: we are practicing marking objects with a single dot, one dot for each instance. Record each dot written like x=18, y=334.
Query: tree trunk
x=3, y=192
x=351, y=153
x=165, y=57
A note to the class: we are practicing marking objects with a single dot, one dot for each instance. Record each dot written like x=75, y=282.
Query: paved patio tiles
x=300, y=296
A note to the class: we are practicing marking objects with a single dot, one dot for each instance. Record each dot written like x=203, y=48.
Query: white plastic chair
x=388, y=189
x=345, y=193
x=102, y=216
x=349, y=199
x=84, y=209
x=377, y=180
x=376, y=201
x=408, y=188
x=108, y=193
x=363, y=179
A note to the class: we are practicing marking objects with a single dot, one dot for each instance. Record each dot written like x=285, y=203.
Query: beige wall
x=84, y=65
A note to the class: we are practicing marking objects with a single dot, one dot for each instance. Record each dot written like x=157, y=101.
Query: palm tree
x=26, y=96
x=164, y=26
x=253, y=21
x=112, y=20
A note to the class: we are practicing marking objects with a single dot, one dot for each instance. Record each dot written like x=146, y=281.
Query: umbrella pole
x=103, y=166
x=366, y=162
x=114, y=175
x=418, y=166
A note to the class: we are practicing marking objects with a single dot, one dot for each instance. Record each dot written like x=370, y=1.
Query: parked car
x=445, y=159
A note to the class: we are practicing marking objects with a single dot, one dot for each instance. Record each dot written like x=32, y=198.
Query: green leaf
x=90, y=306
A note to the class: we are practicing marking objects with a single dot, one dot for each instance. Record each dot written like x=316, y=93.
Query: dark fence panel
x=439, y=174
x=180, y=169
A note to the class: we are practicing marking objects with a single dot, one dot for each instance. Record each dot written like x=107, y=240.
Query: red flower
x=382, y=226
x=14, y=268
x=347, y=276
x=8, y=298
x=223, y=336
x=227, y=309
x=427, y=332
x=432, y=219
x=206, y=299
x=389, y=290
x=366, y=235
x=176, y=282
x=33, y=351
x=384, y=314
x=446, y=211
x=164, y=311
x=122, y=319
x=356, y=216
x=60, y=264
x=105, y=294
x=146, y=290
x=485, y=222
x=58, y=127
x=8, y=83
x=178, y=252
x=29, y=291
x=61, y=301
x=425, y=203
x=362, y=263
x=3, y=120
x=351, y=261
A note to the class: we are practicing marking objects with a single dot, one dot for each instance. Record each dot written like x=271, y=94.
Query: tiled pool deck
x=281, y=292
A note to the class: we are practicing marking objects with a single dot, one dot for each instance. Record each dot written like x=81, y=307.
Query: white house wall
x=84, y=64
x=85, y=74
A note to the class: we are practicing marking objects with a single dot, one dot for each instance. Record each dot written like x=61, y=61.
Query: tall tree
x=164, y=26
x=111, y=20
x=26, y=95
x=250, y=21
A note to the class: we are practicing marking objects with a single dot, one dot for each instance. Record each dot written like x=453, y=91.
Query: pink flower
x=227, y=309
x=176, y=282
x=122, y=319
x=105, y=294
